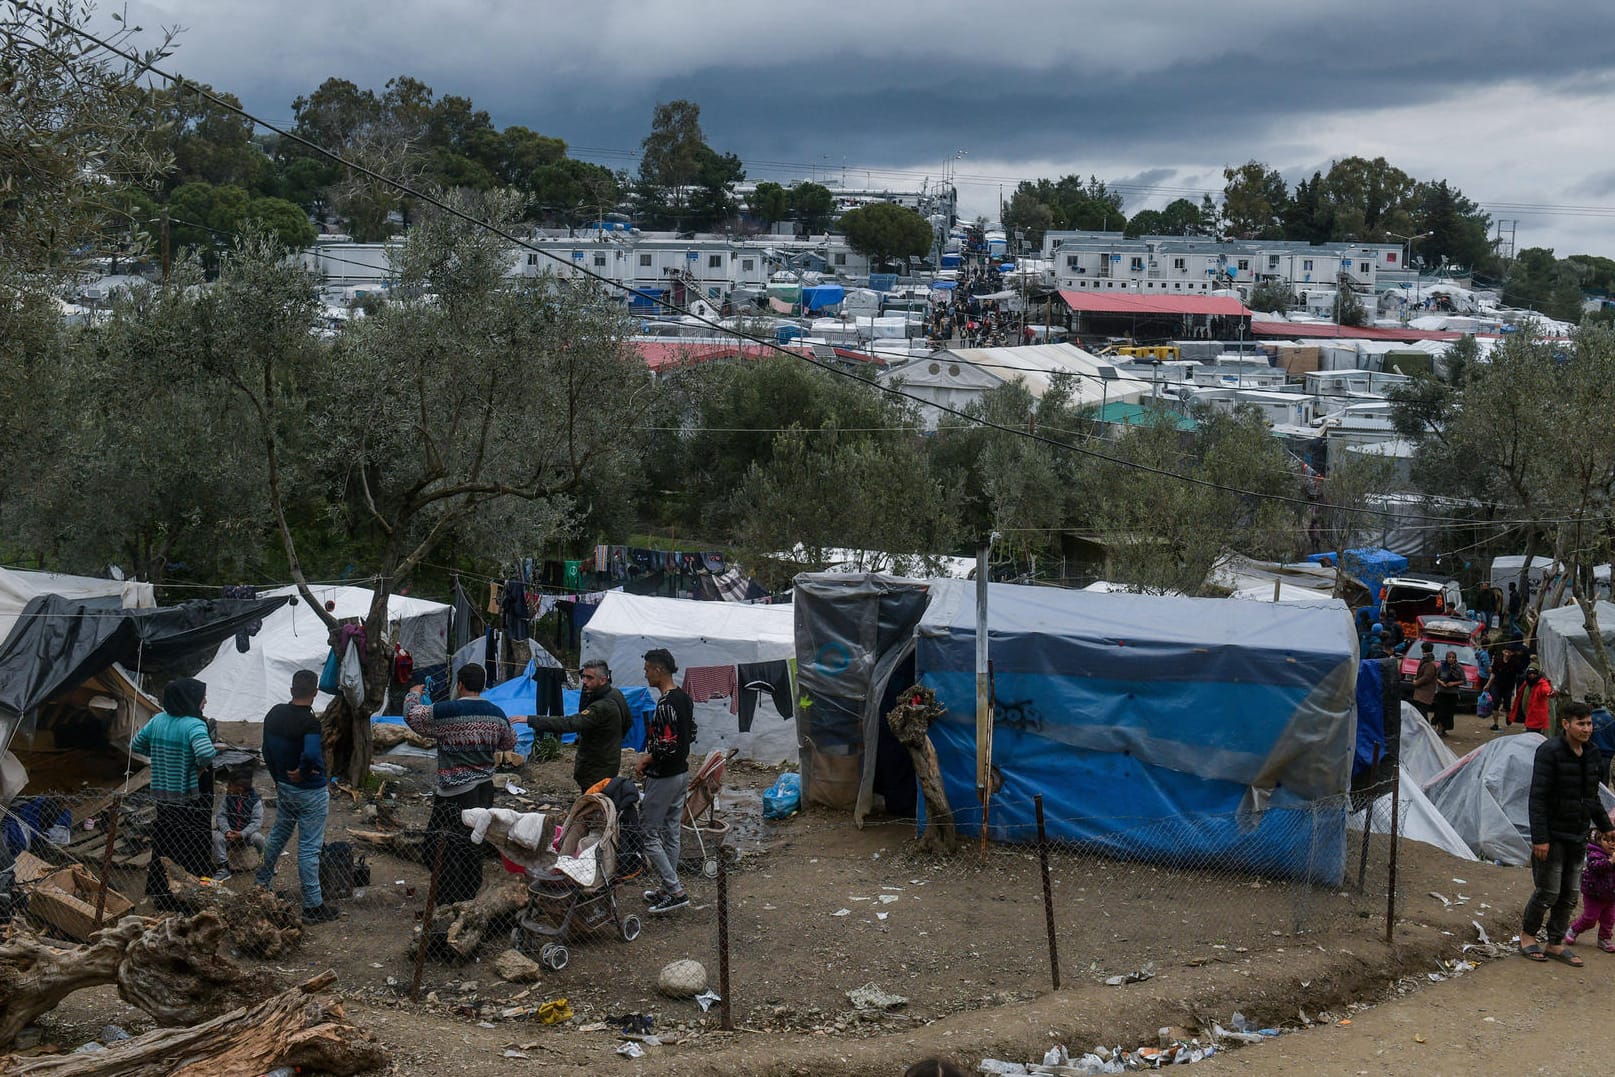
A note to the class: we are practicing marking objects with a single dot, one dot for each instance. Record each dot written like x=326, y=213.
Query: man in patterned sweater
x=469, y=732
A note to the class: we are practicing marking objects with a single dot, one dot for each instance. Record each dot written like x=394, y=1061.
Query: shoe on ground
x=669, y=902
x=1570, y=938
x=320, y=914
x=653, y=896
x=1607, y=946
x=221, y=873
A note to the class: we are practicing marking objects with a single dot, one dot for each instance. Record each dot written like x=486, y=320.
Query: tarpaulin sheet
x=1486, y=796
x=1369, y=564
x=57, y=643
x=1215, y=726
x=516, y=697
x=1371, y=742
x=1565, y=648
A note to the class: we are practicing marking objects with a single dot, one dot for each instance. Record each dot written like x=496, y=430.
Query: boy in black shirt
x=665, y=768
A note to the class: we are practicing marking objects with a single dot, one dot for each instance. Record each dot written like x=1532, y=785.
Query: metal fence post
x=1048, y=893
x=1390, y=887
x=726, y=1020
x=1368, y=825
x=426, y=918
x=106, y=860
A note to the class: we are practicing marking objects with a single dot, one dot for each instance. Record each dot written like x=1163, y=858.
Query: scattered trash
x=1484, y=941
x=871, y=997
x=112, y=1034
x=1136, y=976
x=1446, y=902
x=784, y=798
x=1104, y=1059
x=706, y=998
x=631, y=1050
x=882, y=915
x=388, y=768
x=1418, y=1039
x=842, y=912
x=554, y=1011
x=511, y=1053
x=887, y=899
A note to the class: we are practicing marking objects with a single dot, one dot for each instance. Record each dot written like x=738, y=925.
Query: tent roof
x=58, y=643
x=1566, y=651
x=243, y=686
x=17, y=586
x=695, y=627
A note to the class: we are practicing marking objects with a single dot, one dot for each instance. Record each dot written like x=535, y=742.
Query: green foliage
x=769, y=203
x=813, y=205
x=1026, y=213
x=1255, y=199
x=683, y=182
x=1271, y=295
x=887, y=232
x=1070, y=204
x=1538, y=281
x=1349, y=309
x=209, y=143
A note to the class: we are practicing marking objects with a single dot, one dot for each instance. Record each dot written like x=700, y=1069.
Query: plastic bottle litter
x=112, y=1034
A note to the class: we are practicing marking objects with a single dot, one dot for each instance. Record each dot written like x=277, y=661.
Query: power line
x=609, y=283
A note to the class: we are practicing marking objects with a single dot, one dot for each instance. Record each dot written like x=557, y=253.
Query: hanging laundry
x=403, y=665
x=493, y=598
x=513, y=607
x=713, y=563
x=572, y=575
x=713, y=682
x=461, y=633
x=602, y=555
x=550, y=682
x=755, y=679
x=646, y=560
x=355, y=634
x=671, y=561
x=250, y=629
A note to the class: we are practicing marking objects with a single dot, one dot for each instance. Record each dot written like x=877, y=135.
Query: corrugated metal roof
x=1141, y=303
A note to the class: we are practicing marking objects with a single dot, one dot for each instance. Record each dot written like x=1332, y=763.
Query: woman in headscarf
x=179, y=746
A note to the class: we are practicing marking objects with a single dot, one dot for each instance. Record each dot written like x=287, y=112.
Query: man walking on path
x=469, y=732
x=665, y=768
x=296, y=761
x=1564, y=800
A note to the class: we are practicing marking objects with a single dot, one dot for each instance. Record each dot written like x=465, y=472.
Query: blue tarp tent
x=1176, y=730
x=519, y=695
x=822, y=296
x=1371, y=741
x=1369, y=564
x=950, y=261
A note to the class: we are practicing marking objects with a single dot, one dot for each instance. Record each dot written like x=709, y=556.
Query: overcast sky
x=1511, y=102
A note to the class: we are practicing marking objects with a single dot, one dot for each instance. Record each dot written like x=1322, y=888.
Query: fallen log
x=459, y=930
x=294, y=1028
x=404, y=844
x=169, y=968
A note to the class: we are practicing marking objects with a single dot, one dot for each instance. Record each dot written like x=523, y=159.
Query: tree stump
x=459, y=930
x=257, y=923
x=916, y=709
x=293, y=1028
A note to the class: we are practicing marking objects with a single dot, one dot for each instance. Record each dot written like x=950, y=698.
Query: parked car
x=1407, y=598
x=1457, y=634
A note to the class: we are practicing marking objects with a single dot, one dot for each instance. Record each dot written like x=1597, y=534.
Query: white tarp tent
x=1486, y=797
x=242, y=687
x=700, y=634
x=1565, y=648
x=17, y=587
x=1423, y=756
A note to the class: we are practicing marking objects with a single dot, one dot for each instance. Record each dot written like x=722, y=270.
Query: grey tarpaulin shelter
x=1566, y=649
x=853, y=632
x=58, y=644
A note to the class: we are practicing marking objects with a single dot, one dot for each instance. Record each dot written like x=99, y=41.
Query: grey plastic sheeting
x=1260, y=694
x=1565, y=648
x=852, y=631
x=1486, y=796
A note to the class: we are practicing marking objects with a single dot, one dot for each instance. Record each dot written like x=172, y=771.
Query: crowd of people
x=973, y=321
x=194, y=834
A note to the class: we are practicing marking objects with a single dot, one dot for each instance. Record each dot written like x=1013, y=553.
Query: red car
x=1457, y=634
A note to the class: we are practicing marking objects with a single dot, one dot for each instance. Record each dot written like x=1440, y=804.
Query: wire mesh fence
x=563, y=890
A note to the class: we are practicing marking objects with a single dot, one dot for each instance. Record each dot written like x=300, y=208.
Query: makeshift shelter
x=19, y=587
x=1486, y=796
x=518, y=696
x=1176, y=730
x=243, y=685
x=719, y=647
x=69, y=700
x=854, y=650
x=1418, y=819
x=1368, y=565
x=1565, y=649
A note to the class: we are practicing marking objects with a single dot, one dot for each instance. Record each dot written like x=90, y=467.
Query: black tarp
x=57, y=643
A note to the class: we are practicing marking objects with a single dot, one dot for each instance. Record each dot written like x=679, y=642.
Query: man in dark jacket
x=601, y=723
x=1564, y=800
x=665, y=767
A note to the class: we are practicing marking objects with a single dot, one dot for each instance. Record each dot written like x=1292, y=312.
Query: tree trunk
x=1589, y=618
x=169, y=968
x=257, y=923
x=293, y=1028
x=458, y=930
x=916, y=709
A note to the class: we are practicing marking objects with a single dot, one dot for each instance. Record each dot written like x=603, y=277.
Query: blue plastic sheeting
x=950, y=261
x=944, y=285
x=519, y=695
x=651, y=300
x=1369, y=564
x=787, y=333
x=1170, y=729
x=882, y=282
x=819, y=296
x=1370, y=716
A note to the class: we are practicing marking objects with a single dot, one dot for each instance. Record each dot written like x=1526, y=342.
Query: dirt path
x=1507, y=1017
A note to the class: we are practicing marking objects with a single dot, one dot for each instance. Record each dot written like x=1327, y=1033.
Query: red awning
x=1144, y=303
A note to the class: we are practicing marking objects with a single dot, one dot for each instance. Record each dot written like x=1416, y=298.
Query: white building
x=958, y=377
x=1179, y=265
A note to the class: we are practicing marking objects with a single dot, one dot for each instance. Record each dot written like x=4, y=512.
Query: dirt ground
x=961, y=939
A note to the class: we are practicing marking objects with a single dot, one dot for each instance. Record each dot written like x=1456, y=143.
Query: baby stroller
x=701, y=839
x=579, y=893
